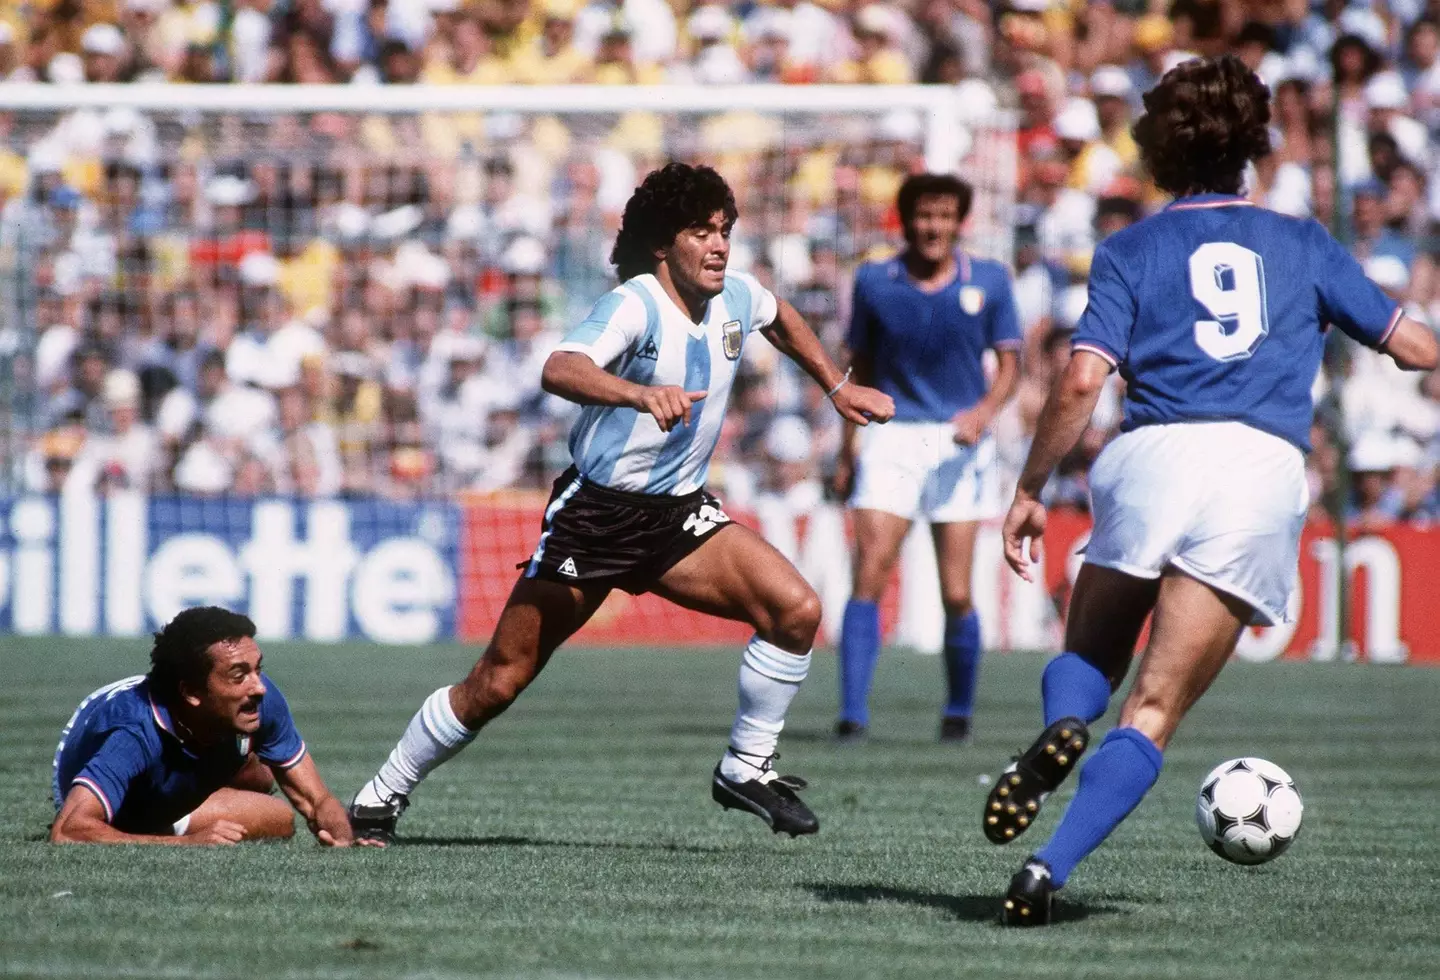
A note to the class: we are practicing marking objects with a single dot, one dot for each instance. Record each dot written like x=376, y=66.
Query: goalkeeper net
x=385, y=265
x=373, y=200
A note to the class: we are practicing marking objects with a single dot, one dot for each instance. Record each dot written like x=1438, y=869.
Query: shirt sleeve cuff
x=94, y=787
x=1390, y=328
x=1098, y=349
x=293, y=761
x=570, y=347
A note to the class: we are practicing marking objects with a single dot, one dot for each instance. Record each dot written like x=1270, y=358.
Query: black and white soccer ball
x=1248, y=811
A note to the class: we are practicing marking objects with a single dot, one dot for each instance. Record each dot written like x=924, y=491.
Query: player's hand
x=970, y=425
x=670, y=404
x=863, y=405
x=220, y=832
x=331, y=824
x=1026, y=519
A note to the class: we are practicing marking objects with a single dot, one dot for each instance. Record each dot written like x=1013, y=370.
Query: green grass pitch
x=576, y=837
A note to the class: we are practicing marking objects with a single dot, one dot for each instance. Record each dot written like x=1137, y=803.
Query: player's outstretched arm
x=308, y=794
x=1062, y=422
x=793, y=337
x=574, y=377
x=81, y=820
x=1412, y=346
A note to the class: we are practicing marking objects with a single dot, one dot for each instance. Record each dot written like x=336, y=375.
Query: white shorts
x=1221, y=501
x=918, y=470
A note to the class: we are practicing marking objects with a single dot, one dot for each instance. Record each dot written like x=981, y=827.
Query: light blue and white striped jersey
x=638, y=333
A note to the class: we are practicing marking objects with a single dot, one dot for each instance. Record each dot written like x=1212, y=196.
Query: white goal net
x=286, y=340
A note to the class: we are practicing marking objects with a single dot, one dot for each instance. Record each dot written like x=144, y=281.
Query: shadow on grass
x=508, y=840
x=970, y=908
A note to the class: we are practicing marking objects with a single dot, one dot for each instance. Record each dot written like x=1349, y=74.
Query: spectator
x=552, y=58
x=80, y=402
x=878, y=30
x=125, y=458
x=309, y=457
x=1112, y=91
x=106, y=53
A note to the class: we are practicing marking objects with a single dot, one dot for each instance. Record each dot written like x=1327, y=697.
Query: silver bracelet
x=843, y=382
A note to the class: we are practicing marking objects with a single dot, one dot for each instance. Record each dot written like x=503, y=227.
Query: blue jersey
x=926, y=348
x=1215, y=310
x=122, y=746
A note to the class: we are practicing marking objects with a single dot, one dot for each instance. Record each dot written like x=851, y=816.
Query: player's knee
x=871, y=575
x=956, y=600
x=797, y=620
x=278, y=822
x=503, y=684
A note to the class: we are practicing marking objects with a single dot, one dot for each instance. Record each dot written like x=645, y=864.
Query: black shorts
x=597, y=535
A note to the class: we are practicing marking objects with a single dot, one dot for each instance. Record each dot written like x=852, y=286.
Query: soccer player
x=653, y=365
x=1214, y=311
x=187, y=753
x=919, y=330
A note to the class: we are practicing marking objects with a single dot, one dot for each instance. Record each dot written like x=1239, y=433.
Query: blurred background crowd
x=339, y=304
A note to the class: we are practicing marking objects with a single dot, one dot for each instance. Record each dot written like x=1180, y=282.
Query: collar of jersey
x=962, y=271
x=164, y=723
x=652, y=285
x=1208, y=201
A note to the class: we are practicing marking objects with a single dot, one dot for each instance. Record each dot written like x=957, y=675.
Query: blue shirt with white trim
x=121, y=745
x=926, y=348
x=638, y=333
x=1216, y=310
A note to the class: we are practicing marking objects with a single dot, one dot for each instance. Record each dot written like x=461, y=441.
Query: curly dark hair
x=181, y=652
x=669, y=200
x=1206, y=119
x=917, y=186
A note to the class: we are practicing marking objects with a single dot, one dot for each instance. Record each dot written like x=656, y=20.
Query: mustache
x=251, y=703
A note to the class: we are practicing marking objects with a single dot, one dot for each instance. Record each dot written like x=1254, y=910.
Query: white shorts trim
x=1220, y=501
x=916, y=470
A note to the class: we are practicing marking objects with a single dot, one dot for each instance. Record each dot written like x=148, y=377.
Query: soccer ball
x=1248, y=811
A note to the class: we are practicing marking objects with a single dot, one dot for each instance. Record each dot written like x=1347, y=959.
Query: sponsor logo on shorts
x=732, y=338
x=567, y=567
x=972, y=299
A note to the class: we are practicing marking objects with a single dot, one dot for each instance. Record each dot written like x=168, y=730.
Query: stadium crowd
x=340, y=304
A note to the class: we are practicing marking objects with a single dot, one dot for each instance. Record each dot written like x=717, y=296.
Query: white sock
x=433, y=736
x=769, y=678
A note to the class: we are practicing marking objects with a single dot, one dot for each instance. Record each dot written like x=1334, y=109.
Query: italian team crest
x=731, y=337
x=972, y=299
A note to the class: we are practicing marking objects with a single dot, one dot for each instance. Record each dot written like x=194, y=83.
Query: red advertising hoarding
x=1389, y=572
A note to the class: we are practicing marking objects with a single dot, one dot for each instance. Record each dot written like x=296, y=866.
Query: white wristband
x=843, y=382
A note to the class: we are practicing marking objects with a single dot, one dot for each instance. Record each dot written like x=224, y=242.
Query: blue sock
x=1073, y=687
x=859, y=649
x=962, y=663
x=1112, y=784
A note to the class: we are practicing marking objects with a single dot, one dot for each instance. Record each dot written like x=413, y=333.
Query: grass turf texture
x=576, y=837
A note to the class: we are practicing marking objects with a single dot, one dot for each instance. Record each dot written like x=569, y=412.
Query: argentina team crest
x=731, y=337
x=972, y=299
